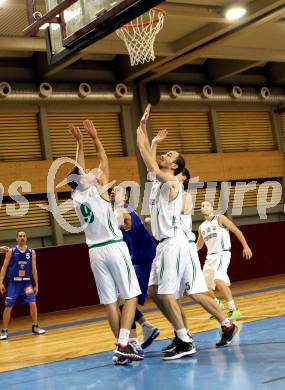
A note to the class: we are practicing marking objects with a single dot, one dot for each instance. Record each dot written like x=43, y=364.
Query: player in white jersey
x=169, y=265
x=193, y=281
x=109, y=255
x=172, y=268
x=214, y=232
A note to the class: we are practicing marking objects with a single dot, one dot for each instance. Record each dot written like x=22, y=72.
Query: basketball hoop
x=140, y=34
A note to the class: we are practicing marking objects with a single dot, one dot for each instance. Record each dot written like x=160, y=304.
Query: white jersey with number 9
x=96, y=216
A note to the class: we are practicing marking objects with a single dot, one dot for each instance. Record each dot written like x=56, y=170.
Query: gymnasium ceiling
x=197, y=45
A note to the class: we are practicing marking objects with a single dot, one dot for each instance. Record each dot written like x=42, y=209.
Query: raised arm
x=4, y=270
x=101, y=154
x=75, y=132
x=160, y=137
x=235, y=230
x=149, y=160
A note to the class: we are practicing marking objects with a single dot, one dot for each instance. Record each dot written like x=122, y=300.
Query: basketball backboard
x=74, y=25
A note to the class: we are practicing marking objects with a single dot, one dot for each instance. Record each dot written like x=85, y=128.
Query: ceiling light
x=235, y=13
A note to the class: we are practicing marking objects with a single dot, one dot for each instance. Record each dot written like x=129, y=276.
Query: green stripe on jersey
x=104, y=243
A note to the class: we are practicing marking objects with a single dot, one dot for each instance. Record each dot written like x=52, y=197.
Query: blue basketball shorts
x=142, y=272
x=22, y=290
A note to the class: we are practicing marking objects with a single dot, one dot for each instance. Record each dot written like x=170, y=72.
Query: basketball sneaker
x=227, y=334
x=128, y=352
x=221, y=306
x=136, y=346
x=4, y=334
x=120, y=361
x=170, y=347
x=149, y=335
x=181, y=349
x=234, y=315
x=36, y=329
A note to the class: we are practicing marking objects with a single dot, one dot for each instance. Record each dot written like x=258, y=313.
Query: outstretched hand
x=160, y=137
x=90, y=128
x=74, y=130
x=246, y=253
x=145, y=116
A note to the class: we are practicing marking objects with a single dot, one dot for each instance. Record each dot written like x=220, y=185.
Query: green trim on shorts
x=162, y=268
x=221, y=261
x=194, y=270
x=178, y=264
x=164, y=239
x=104, y=243
x=191, y=241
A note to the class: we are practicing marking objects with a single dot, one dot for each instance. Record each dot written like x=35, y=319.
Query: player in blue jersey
x=20, y=268
x=142, y=249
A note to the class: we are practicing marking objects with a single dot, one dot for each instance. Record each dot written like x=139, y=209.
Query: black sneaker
x=227, y=335
x=181, y=349
x=171, y=346
x=128, y=352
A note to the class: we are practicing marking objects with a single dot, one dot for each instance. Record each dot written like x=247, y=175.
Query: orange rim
x=138, y=25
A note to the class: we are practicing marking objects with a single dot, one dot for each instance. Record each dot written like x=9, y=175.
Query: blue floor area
x=255, y=360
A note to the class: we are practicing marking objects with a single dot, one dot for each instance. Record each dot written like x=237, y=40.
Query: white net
x=140, y=34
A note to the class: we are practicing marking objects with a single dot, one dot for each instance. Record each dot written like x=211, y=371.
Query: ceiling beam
x=259, y=13
x=245, y=53
x=207, y=13
x=220, y=70
x=22, y=44
x=276, y=73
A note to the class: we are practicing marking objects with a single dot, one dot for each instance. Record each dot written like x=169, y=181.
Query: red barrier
x=66, y=280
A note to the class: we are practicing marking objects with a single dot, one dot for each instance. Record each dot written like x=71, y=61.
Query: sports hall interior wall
x=33, y=134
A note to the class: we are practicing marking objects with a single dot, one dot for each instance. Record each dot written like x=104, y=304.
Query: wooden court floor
x=84, y=331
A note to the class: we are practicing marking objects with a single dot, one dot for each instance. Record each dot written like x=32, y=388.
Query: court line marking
x=149, y=355
x=150, y=310
x=281, y=378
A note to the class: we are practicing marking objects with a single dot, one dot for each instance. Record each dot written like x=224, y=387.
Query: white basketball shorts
x=169, y=265
x=216, y=268
x=113, y=272
x=193, y=281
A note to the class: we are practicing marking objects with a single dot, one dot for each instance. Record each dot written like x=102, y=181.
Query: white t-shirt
x=216, y=236
x=165, y=214
x=96, y=215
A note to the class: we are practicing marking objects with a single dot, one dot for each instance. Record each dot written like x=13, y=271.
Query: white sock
x=226, y=323
x=182, y=335
x=123, y=338
x=231, y=305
